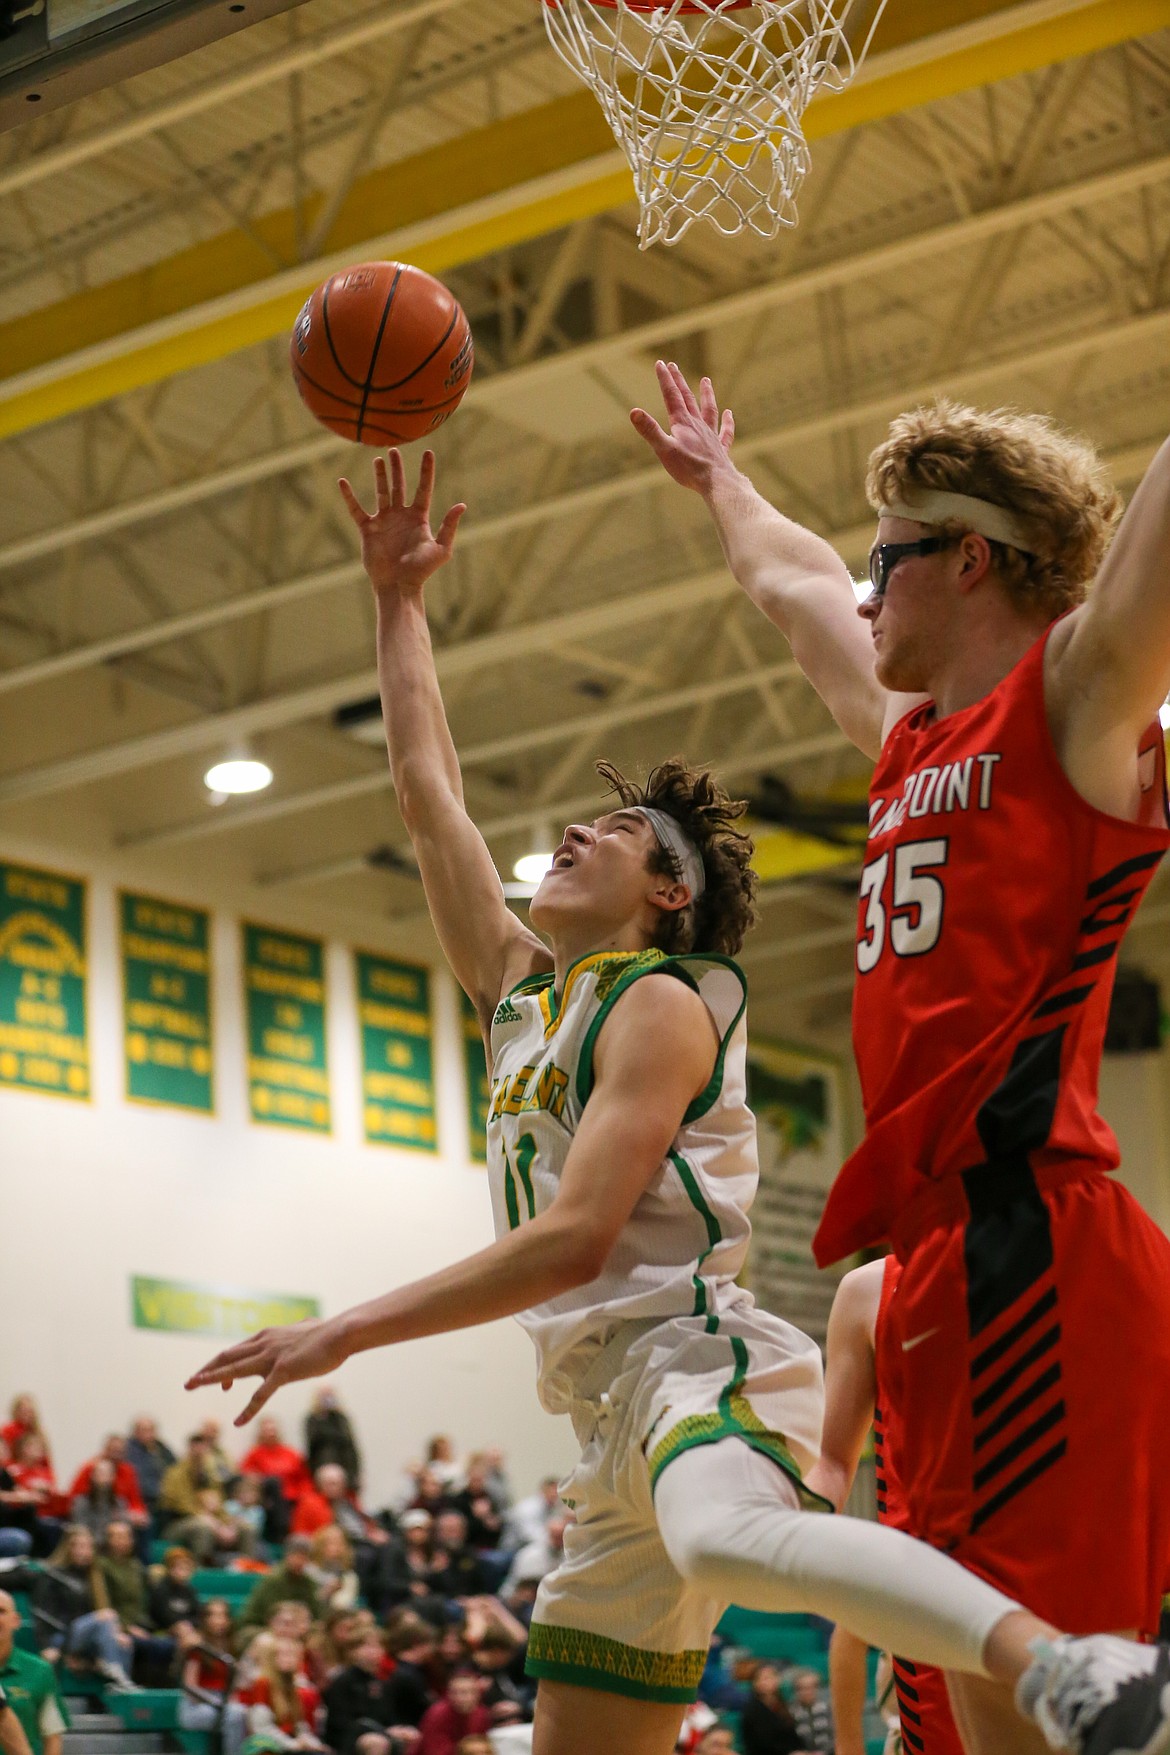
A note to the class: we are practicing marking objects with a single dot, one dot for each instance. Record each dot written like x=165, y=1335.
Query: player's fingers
x=708, y=407
x=648, y=427
x=727, y=429
x=426, y=482
x=267, y=1389
x=397, y=478
x=684, y=389
x=244, y=1360
x=354, y=506
x=446, y=532
x=671, y=399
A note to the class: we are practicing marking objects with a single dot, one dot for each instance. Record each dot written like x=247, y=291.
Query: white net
x=706, y=100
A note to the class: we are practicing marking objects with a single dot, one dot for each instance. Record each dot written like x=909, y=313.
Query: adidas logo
x=506, y=1013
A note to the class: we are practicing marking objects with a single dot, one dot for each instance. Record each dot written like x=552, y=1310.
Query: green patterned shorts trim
x=564, y=1654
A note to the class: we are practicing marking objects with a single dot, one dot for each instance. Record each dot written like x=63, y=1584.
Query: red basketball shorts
x=1026, y=1348
x=924, y=1707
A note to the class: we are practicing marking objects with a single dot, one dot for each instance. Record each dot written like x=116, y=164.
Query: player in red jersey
x=856, y=1397
x=1018, y=811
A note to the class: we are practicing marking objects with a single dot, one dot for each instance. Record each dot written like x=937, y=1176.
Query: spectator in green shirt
x=289, y=1583
x=128, y=1589
x=12, y=1738
x=30, y=1687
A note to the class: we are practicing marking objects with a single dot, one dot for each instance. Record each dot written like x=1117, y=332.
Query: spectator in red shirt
x=42, y=1507
x=207, y=1678
x=282, y=1704
x=275, y=1460
x=328, y=1501
x=22, y=1419
x=458, y=1715
x=125, y=1480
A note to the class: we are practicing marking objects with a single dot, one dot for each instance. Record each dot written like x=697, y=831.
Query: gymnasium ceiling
x=988, y=214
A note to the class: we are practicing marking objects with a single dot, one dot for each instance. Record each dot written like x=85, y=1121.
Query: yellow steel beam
x=517, y=179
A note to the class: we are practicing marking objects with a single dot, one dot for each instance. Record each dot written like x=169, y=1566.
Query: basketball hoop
x=706, y=99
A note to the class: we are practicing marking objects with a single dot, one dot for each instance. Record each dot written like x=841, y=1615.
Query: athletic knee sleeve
x=731, y=1523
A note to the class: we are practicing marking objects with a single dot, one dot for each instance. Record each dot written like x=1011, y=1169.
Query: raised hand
x=399, y=549
x=311, y=1348
x=698, y=442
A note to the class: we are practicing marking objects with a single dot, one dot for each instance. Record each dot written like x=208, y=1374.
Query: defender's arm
x=654, y=1055
x=850, y=1382
x=1110, y=671
x=796, y=578
x=486, y=946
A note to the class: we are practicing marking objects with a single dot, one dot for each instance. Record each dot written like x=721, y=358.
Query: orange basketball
x=382, y=353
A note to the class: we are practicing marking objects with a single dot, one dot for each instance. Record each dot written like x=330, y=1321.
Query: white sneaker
x=1099, y=1695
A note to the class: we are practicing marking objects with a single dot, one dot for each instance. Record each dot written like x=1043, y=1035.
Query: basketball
x=382, y=353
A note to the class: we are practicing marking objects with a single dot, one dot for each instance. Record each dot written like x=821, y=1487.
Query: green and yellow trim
x=588, y=1660
x=636, y=964
x=734, y=1418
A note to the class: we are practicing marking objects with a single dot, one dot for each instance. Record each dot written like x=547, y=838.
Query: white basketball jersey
x=686, y=1240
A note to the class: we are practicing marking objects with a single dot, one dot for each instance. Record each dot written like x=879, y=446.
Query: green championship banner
x=166, y=991
x=284, y=996
x=44, y=1043
x=181, y=1309
x=479, y=1093
x=398, y=1068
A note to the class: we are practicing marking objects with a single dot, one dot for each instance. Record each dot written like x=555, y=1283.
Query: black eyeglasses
x=884, y=557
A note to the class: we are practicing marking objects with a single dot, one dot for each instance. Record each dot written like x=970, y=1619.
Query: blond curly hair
x=1055, y=484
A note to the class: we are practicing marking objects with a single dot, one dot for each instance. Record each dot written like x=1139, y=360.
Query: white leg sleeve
x=731, y=1523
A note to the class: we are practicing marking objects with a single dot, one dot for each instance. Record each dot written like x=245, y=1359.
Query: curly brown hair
x=720, y=919
x=1054, y=483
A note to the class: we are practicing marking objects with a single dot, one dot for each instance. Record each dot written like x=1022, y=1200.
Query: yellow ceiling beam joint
x=517, y=179
x=786, y=853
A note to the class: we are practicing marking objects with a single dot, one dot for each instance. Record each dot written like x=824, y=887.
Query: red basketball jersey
x=993, y=902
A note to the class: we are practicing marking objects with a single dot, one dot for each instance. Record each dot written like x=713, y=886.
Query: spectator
x=411, y=1643
x=475, y=1745
x=529, y=1518
x=331, y=1568
x=538, y=1558
x=207, y=1675
x=359, y=1707
x=282, y=1705
x=287, y=1621
x=328, y=1500
x=407, y=1572
x=173, y=1603
x=127, y=1590
x=150, y=1459
x=462, y=1575
x=441, y=1462
x=23, y=1418
x=42, y=1506
x=75, y=1603
x=246, y=1512
x=329, y=1438
x=31, y=1686
x=767, y=1727
x=459, y=1714
x=719, y=1740
x=812, y=1714
x=101, y=1503
x=498, y=1661
x=191, y=1505
x=330, y=1645
x=218, y=1464
x=287, y=1583
x=485, y=1522
x=276, y=1461
x=698, y=1719
x=428, y=1493
x=16, y=1515
x=125, y=1481
x=12, y=1738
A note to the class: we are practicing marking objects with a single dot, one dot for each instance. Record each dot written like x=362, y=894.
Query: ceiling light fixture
x=238, y=774
x=1164, y=715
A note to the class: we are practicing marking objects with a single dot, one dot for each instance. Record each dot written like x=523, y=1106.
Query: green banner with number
x=479, y=1093
x=398, y=1065
x=44, y=1044
x=182, y=1309
x=166, y=990
x=288, y=1065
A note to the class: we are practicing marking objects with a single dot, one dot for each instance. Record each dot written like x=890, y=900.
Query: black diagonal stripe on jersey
x=914, y=1740
x=1018, y=1483
x=1047, y=1380
x=907, y=1712
x=1099, y=954
x=1061, y=1002
x=1007, y=1340
x=1107, y=915
x=1128, y=868
x=1007, y=1243
x=903, y=1667
x=1024, y=1441
x=988, y=1397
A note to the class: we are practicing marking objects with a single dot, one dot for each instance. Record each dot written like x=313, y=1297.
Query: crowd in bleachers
x=294, y=1617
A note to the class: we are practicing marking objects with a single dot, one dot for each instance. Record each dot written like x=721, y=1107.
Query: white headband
x=669, y=833
x=932, y=507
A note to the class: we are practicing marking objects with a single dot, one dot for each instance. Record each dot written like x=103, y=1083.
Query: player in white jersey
x=622, y=1164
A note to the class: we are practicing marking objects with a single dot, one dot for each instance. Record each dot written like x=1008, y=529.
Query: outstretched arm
x=850, y=1382
x=486, y=946
x=654, y=1055
x=1110, y=672
x=794, y=576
